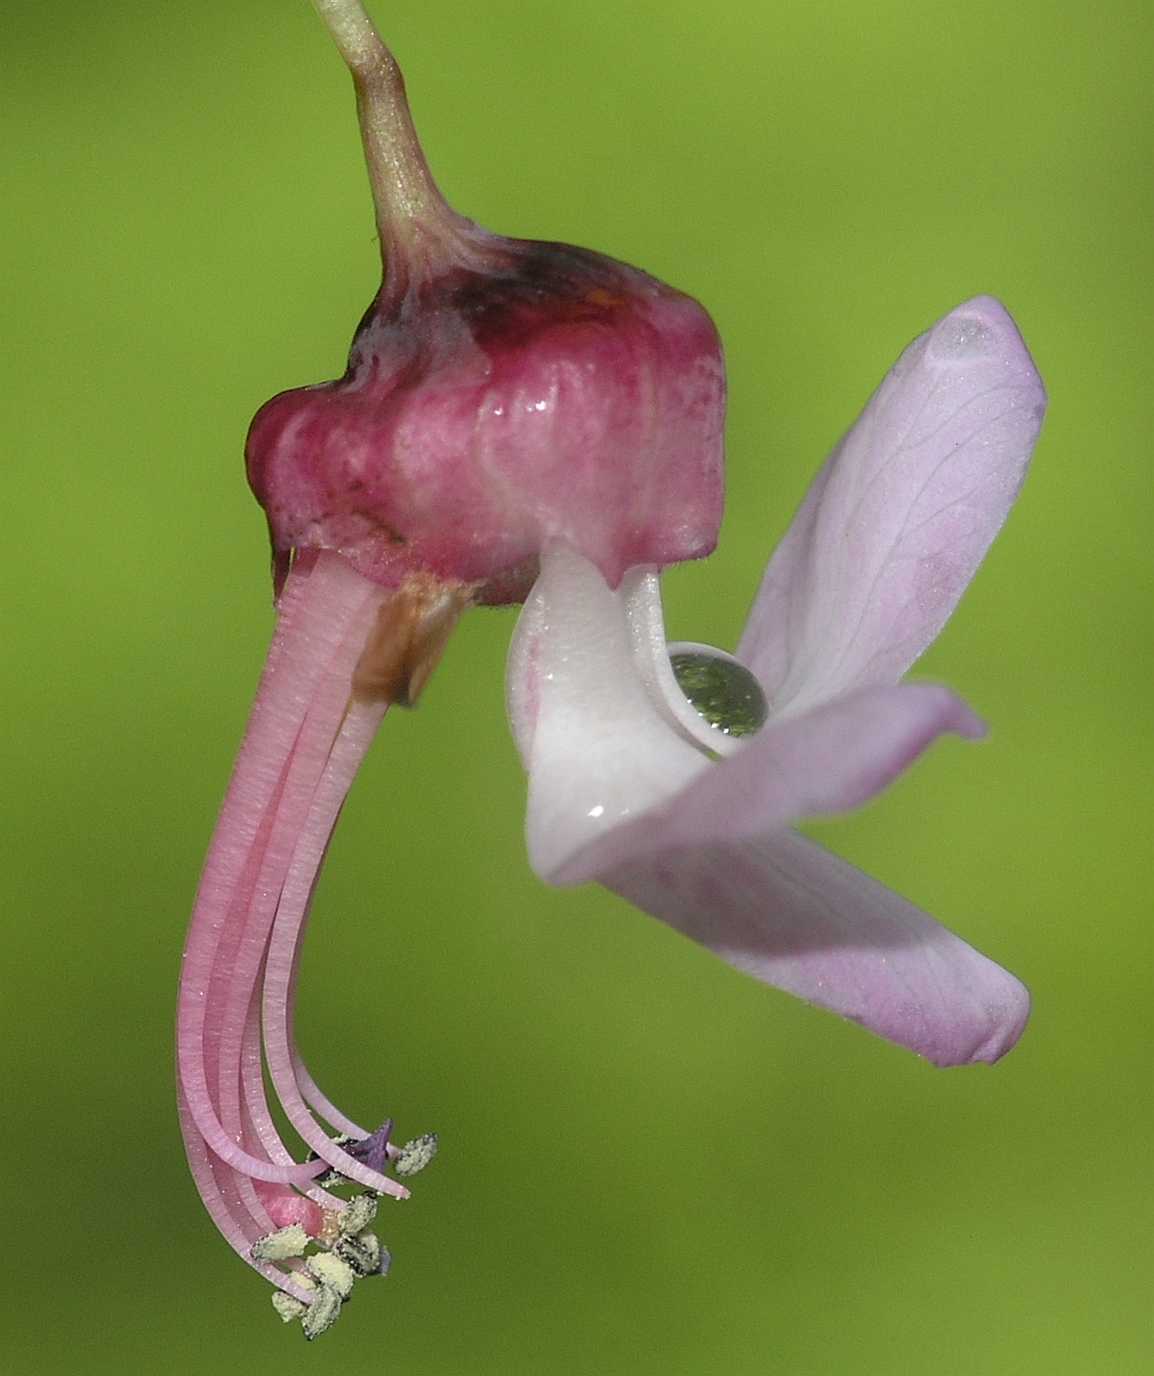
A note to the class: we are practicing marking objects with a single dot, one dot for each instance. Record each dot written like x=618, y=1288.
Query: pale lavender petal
x=792, y=915
x=830, y=760
x=898, y=520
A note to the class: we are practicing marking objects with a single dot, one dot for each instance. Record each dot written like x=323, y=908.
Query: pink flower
x=500, y=394
x=624, y=783
x=521, y=418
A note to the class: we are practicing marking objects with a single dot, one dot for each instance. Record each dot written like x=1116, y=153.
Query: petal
x=792, y=915
x=830, y=760
x=897, y=522
x=613, y=769
x=597, y=749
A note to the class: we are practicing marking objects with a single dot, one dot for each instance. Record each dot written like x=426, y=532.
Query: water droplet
x=722, y=691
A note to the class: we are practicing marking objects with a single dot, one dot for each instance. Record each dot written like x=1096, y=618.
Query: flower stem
x=405, y=197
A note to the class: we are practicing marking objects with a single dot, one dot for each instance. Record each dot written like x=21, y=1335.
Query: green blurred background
x=649, y=1164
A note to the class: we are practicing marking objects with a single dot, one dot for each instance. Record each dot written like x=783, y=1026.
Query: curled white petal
x=598, y=749
x=641, y=596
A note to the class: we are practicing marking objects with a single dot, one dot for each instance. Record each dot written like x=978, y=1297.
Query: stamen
x=287, y=1307
x=279, y=1246
x=356, y=732
x=329, y=1270
x=322, y=1313
x=416, y=1155
x=323, y=596
x=344, y=1252
x=359, y=1214
x=315, y=1098
x=308, y=734
x=362, y=1253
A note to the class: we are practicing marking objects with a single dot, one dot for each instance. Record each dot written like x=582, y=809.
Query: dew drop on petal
x=722, y=691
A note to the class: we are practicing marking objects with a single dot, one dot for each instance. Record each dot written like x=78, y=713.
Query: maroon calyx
x=500, y=394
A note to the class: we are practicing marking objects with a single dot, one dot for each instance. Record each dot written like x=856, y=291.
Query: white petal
x=641, y=596
x=597, y=748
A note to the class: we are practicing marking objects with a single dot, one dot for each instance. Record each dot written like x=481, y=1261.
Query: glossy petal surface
x=597, y=750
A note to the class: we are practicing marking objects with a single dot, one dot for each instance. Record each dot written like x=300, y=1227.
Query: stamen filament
x=258, y=1119
x=256, y=917
x=320, y=1105
x=309, y=731
x=357, y=731
x=302, y=668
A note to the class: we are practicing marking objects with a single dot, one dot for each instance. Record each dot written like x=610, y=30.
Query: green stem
x=404, y=193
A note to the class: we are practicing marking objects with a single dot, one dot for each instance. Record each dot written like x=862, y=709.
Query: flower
x=499, y=394
x=624, y=782
x=516, y=417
